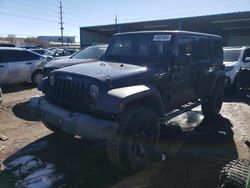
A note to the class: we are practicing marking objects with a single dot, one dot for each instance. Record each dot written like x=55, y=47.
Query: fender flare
x=213, y=80
x=115, y=100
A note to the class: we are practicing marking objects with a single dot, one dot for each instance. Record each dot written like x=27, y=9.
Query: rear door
x=4, y=73
x=20, y=65
x=182, y=73
x=204, y=67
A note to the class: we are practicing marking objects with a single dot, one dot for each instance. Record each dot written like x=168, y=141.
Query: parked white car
x=235, y=59
x=19, y=65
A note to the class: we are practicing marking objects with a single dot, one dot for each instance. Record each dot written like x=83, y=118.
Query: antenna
x=116, y=19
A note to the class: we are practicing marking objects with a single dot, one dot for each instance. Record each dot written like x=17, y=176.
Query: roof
x=215, y=24
x=170, y=32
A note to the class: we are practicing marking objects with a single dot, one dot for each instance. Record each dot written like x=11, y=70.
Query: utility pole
x=61, y=21
x=116, y=19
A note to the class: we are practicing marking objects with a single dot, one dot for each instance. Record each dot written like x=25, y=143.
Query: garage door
x=239, y=40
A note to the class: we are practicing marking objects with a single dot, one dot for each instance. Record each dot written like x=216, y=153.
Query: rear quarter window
x=217, y=49
x=204, y=49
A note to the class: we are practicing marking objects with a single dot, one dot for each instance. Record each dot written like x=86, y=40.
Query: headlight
x=52, y=80
x=93, y=91
x=229, y=68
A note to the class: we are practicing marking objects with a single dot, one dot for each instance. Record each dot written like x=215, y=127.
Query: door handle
x=28, y=63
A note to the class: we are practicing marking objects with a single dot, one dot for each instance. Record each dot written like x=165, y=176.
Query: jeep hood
x=67, y=62
x=107, y=71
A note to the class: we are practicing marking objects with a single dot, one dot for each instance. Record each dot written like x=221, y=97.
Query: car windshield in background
x=144, y=49
x=232, y=55
x=49, y=53
x=90, y=53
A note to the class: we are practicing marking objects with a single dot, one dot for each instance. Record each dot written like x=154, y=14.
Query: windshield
x=231, y=55
x=90, y=53
x=139, y=49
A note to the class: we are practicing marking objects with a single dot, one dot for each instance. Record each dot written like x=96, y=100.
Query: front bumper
x=73, y=123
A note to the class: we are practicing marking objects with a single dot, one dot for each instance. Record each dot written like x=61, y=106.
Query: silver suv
x=20, y=65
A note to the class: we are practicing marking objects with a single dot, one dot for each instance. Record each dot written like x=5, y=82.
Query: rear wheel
x=214, y=102
x=137, y=138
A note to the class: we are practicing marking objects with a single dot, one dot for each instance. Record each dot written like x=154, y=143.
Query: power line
x=27, y=17
x=27, y=9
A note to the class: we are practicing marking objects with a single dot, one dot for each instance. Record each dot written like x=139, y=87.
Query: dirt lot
x=191, y=153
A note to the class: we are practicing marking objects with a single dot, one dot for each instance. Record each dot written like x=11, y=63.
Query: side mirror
x=247, y=59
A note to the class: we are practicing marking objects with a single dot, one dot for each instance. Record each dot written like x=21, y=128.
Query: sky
x=31, y=18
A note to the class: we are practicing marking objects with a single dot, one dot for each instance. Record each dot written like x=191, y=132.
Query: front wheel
x=212, y=106
x=136, y=140
x=37, y=77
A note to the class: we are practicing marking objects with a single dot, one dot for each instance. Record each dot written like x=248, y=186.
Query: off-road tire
x=235, y=174
x=122, y=149
x=212, y=106
x=34, y=76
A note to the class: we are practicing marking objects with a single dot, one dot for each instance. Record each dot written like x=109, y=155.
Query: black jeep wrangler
x=145, y=79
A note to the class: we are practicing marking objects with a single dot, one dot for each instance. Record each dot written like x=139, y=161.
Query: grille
x=69, y=94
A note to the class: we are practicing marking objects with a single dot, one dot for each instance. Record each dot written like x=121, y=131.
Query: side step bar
x=183, y=109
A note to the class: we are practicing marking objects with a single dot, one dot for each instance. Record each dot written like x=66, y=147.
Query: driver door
x=182, y=89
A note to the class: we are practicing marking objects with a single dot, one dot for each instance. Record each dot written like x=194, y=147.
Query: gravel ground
x=191, y=153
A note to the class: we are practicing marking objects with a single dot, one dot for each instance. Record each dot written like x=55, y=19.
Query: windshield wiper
x=110, y=58
x=138, y=59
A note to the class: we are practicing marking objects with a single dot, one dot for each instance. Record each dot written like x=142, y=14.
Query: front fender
x=115, y=100
x=219, y=75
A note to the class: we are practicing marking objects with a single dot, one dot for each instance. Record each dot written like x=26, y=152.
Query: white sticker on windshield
x=162, y=38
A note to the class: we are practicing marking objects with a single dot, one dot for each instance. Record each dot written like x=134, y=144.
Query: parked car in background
x=89, y=54
x=235, y=59
x=40, y=51
x=1, y=96
x=19, y=65
x=60, y=53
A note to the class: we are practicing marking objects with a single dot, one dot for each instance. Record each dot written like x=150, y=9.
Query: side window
x=246, y=53
x=3, y=56
x=16, y=56
x=204, y=49
x=217, y=49
x=13, y=55
x=185, y=50
x=31, y=56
